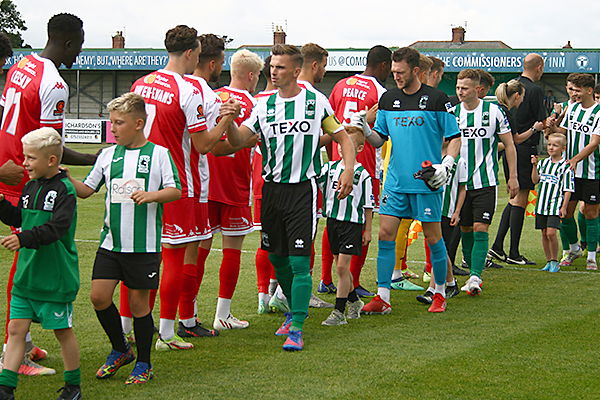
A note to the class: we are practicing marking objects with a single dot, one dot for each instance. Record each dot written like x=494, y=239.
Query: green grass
x=531, y=335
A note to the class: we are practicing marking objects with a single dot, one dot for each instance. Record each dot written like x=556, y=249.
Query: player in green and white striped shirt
x=556, y=184
x=289, y=123
x=139, y=177
x=348, y=226
x=482, y=125
x=582, y=127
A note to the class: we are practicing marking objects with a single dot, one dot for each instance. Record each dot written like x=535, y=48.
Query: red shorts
x=230, y=220
x=256, y=213
x=184, y=221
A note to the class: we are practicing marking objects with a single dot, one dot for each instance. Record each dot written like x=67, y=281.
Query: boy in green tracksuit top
x=47, y=277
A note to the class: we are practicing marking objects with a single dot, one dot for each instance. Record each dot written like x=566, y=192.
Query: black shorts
x=547, y=221
x=344, y=237
x=289, y=218
x=479, y=206
x=524, y=166
x=136, y=270
x=586, y=190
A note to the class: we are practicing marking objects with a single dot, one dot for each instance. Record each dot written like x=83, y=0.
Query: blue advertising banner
x=351, y=60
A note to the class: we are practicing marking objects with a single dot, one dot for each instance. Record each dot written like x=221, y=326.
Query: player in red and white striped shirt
x=350, y=95
x=176, y=120
x=229, y=193
x=35, y=96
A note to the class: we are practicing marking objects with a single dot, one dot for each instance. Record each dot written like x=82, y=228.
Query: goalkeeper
x=414, y=116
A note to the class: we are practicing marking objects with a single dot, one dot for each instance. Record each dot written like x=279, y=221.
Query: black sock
x=352, y=296
x=144, y=330
x=340, y=304
x=502, y=228
x=111, y=322
x=517, y=215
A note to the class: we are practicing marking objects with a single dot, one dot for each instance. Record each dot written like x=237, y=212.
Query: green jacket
x=48, y=267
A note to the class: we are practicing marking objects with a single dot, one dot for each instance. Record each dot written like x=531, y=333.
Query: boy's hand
x=534, y=159
x=142, y=197
x=366, y=237
x=454, y=219
x=11, y=242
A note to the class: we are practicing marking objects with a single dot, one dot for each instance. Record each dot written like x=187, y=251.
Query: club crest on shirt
x=310, y=107
x=144, y=164
x=485, y=117
x=423, y=102
x=49, y=200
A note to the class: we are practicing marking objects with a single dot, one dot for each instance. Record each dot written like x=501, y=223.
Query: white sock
x=591, y=256
x=272, y=286
x=166, y=329
x=28, y=337
x=451, y=283
x=127, y=324
x=397, y=274
x=263, y=297
x=440, y=289
x=384, y=293
x=574, y=247
x=279, y=293
x=188, y=323
x=195, y=309
x=223, y=308
x=4, y=348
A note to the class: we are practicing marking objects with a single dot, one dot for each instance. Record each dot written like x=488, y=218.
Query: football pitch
x=530, y=335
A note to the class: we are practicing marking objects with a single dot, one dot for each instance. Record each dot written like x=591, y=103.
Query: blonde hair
x=505, y=90
x=44, y=139
x=128, y=103
x=425, y=63
x=245, y=61
x=560, y=137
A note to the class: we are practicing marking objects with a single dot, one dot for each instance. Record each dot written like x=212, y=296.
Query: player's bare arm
x=349, y=157
x=224, y=147
x=585, y=152
x=205, y=140
x=11, y=173
x=511, y=159
x=160, y=196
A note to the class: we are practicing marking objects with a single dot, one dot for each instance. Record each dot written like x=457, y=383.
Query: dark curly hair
x=212, y=47
x=5, y=46
x=180, y=39
x=64, y=24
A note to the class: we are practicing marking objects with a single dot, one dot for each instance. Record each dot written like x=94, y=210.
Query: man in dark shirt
x=530, y=111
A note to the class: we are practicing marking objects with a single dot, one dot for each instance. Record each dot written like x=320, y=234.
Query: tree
x=12, y=24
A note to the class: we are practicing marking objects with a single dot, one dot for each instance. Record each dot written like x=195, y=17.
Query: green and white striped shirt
x=129, y=228
x=289, y=131
x=479, y=141
x=555, y=179
x=458, y=176
x=350, y=209
x=581, y=124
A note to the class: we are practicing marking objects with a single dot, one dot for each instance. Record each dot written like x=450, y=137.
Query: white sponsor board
x=82, y=131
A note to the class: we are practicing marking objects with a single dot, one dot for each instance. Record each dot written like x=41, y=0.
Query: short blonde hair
x=425, y=63
x=44, y=139
x=560, y=137
x=245, y=61
x=128, y=103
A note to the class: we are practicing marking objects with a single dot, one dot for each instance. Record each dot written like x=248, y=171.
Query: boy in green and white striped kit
x=139, y=176
x=556, y=185
x=348, y=226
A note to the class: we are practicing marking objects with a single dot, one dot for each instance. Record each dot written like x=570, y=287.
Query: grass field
x=531, y=335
